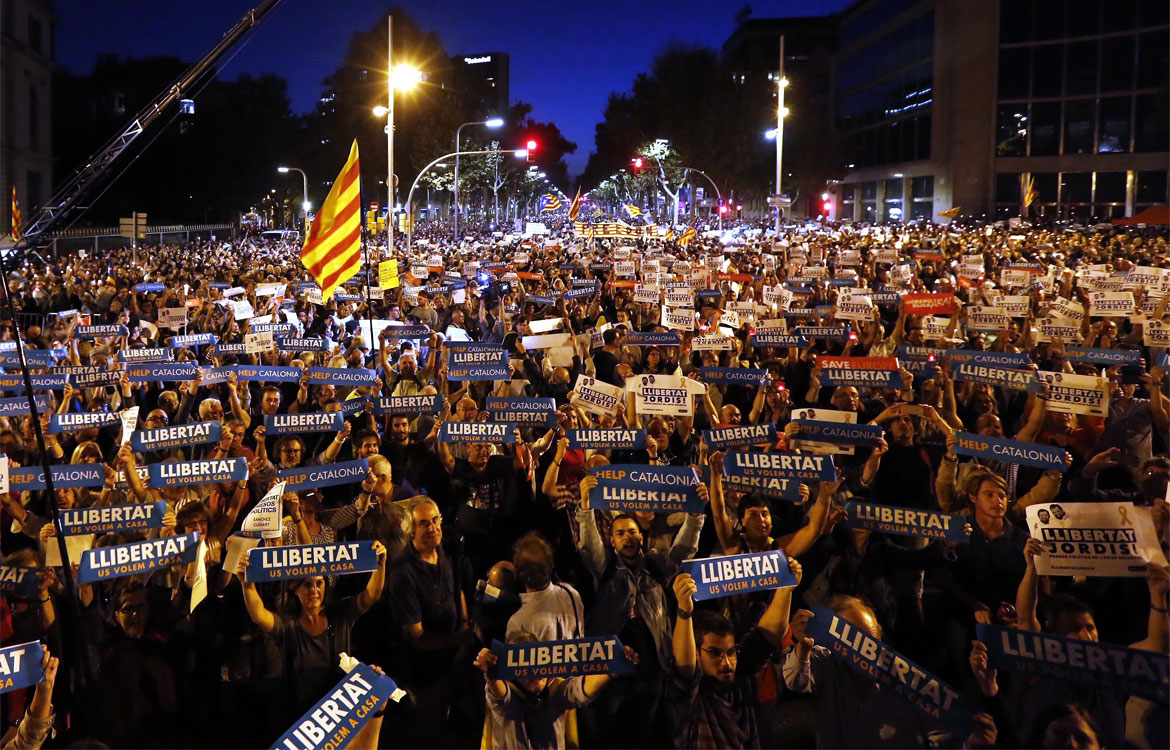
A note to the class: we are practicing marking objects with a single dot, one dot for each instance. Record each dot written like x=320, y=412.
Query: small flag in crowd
x=549, y=202
x=1029, y=190
x=669, y=235
x=687, y=236
x=950, y=213
x=17, y=221
x=333, y=247
x=597, y=211
x=632, y=209
x=575, y=208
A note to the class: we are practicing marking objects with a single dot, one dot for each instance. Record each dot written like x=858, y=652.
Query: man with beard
x=631, y=602
x=415, y=467
x=901, y=471
x=712, y=696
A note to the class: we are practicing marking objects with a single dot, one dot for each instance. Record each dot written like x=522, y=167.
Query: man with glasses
x=711, y=695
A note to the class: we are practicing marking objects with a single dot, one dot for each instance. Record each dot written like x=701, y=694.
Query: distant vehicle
x=280, y=235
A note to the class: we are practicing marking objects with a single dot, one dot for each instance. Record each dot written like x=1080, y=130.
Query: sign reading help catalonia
x=660, y=489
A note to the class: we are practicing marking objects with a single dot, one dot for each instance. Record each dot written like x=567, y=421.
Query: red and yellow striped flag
x=687, y=236
x=1029, y=190
x=333, y=247
x=950, y=213
x=575, y=208
x=17, y=219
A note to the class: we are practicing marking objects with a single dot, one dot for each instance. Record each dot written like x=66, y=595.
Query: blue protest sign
x=477, y=432
x=995, y=359
x=145, y=355
x=717, y=577
x=407, y=332
x=216, y=375
x=333, y=722
x=859, y=377
x=606, y=439
x=1114, y=669
x=326, y=475
x=535, y=412
x=235, y=347
x=26, y=478
x=655, y=338
x=477, y=364
x=779, y=465
x=34, y=357
x=924, y=524
x=313, y=421
x=110, y=518
x=1103, y=356
x=343, y=376
x=192, y=339
x=1011, y=451
x=301, y=286
x=782, y=489
x=722, y=438
x=564, y=658
x=280, y=329
x=20, y=666
x=352, y=406
x=52, y=382
x=1002, y=377
x=17, y=406
x=829, y=333
x=839, y=433
x=537, y=299
x=78, y=421
x=777, y=337
x=893, y=671
x=162, y=371
x=921, y=352
x=95, y=377
x=293, y=344
x=133, y=558
x=347, y=297
x=660, y=489
x=176, y=473
x=176, y=436
x=218, y=285
x=100, y=331
x=269, y=373
x=19, y=581
x=734, y=375
x=306, y=560
x=478, y=345
x=153, y=286
x=432, y=404
x=582, y=293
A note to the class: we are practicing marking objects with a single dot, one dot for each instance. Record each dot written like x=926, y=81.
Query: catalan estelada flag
x=549, y=202
x=333, y=247
x=632, y=209
x=950, y=213
x=17, y=220
x=575, y=208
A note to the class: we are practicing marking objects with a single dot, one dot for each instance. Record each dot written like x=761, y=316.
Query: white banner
x=1094, y=539
x=664, y=394
x=1111, y=304
x=985, y=318
x=597, y=397
x=678, y=320
x=173, y=318
x=1076, y=394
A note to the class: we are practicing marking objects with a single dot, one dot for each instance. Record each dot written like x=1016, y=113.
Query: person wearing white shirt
x=550, y=611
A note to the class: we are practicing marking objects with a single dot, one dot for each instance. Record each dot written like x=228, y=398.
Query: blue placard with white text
x=634, y=487
x=561, y=658
x=342, y=376
x=923, y=524
x=324, y=475
x=20, y=666
x=717, y=577
x=333, y=721
x=1012, y=451
x=134, y=558
x=307, y=560
x=313, y=421
x=177, y=473
x=106, y=519
x=176, y=436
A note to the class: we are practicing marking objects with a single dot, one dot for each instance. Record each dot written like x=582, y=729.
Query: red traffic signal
x=531, y=150
x=722, y=209
x=826, y=207
x=637, y=162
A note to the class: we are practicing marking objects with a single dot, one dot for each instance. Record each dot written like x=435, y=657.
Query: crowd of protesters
x=497, y=541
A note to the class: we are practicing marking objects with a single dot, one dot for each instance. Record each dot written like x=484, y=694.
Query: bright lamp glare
x=405, y=77
x=380, y=111
x=282, y=170
x=770, y=134
x=495, y=122
x=521, y=153
x=308, y=206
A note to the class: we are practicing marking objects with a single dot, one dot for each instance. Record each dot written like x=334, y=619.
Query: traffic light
x=531, y=150
x=826, y=203
x=723, y=208
x=637, y=162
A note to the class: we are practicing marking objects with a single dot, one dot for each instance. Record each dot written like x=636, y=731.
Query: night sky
x=565, y=58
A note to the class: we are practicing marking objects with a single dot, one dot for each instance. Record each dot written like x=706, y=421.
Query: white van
x=280, y=235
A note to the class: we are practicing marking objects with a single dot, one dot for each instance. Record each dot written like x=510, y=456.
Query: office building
x=483, y=78
x=26, y=74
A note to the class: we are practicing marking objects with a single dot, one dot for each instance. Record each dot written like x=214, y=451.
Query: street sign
x=134, y=227
x=779, y=200
x=374, y=205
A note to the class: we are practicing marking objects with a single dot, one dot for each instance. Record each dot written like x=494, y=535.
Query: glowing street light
x=494, y=122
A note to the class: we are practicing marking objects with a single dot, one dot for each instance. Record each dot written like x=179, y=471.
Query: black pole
x=54, y=511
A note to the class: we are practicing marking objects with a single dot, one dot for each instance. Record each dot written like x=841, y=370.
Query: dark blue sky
x=566, y=57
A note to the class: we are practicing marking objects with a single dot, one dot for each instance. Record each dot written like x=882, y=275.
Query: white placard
x=1094, y=539
x=1076, y=394
x=3, y=475
x=597, y=397
x=270, y=290
x=264, y=519
x=258, y=343
x=173, y=318
x=546, y=325
x=678, y=320
x=1111, y=304
x=711, y=343
x=548, y=341
x=129, y=422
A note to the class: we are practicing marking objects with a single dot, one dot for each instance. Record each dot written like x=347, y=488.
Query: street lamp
x=494, y=122
x=781, y=111
x=305, y=185
x=401, y=77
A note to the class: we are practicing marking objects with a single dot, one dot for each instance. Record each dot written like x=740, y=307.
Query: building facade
x=942, y=103
x=483, y=78
x=26, y=75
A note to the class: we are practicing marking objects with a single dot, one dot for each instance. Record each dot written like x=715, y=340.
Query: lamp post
x=403, y=77
x=718, y=194
x=305, y=185
x=494, y=122
x=410, y=195
x=781, y=111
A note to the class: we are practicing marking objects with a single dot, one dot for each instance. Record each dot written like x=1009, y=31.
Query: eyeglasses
x=291, y=450
x=719, y=654
x=427, y=523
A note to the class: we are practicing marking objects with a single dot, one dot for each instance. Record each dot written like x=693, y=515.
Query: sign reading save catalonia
x=779, y=465
x=137, y=557
x=661, y=489
x=717, y=577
